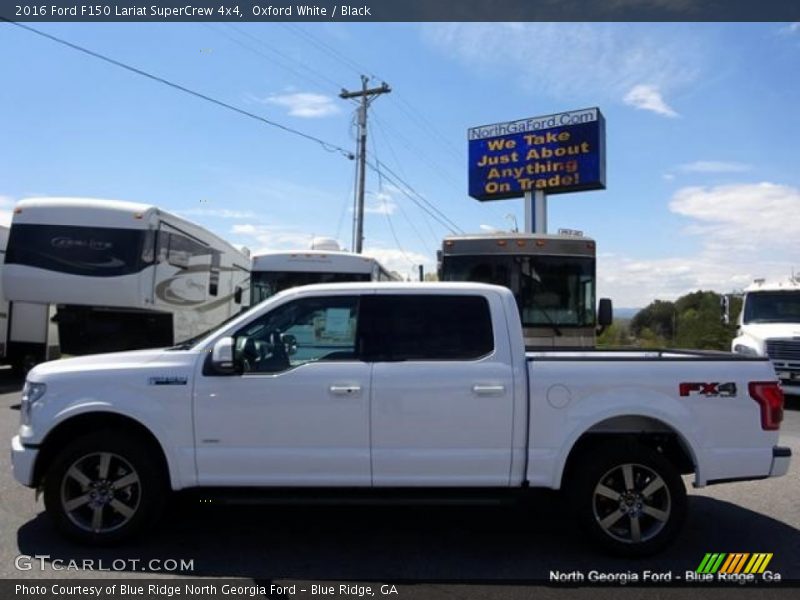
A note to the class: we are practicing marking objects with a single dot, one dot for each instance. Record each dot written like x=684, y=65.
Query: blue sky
x=703, y=123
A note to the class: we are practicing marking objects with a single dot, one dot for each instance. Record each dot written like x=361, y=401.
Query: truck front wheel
x=630, y=499
x=104, y=488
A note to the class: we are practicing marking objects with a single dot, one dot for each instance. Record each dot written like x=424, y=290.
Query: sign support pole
x=535, y=212
x=540, y=210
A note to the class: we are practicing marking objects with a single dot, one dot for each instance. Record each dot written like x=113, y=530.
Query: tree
x=693, y=321
x=658, y=317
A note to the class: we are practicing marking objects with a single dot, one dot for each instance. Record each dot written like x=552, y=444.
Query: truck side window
x=303, y=331
x=425, y=327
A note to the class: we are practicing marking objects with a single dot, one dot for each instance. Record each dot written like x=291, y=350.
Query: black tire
x=105, y=488
x=629, y=498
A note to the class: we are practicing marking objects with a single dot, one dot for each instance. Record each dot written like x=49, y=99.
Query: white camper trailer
x=120, y=275
x=27, y=334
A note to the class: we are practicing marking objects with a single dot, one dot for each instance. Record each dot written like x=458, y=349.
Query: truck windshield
x=266, y=284
x=550, y=290
x=772, y=307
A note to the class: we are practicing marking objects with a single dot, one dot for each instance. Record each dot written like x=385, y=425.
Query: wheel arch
x=646, y=430
x=91, y=422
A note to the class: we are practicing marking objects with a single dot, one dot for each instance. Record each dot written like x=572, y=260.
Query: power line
x=407, y=190
x=329, y=50
x=425, y=219
x=382, y=197
x=325, y=145
x=452, y=225
x=413, y=114
x=425, y=125
x=420, y=120
x=315, y=77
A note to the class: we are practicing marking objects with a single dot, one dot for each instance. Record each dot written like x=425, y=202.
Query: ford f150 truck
x=385, y=387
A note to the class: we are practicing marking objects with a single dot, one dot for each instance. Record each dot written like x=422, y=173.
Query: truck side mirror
x=222, y=361
x=605, y=313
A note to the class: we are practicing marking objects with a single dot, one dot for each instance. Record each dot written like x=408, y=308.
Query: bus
x=117, y=275
x=552, y=277
x=273, y=272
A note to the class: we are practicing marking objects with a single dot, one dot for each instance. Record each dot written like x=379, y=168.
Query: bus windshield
x=551, y=291
x=772, y=307
x=266, y=284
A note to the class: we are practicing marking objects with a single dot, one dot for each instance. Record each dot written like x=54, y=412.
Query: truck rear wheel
x=630, y=499
x=104, y=488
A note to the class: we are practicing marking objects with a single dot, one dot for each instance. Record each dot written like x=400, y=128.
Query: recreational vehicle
x=27, y=334
x=120, y=275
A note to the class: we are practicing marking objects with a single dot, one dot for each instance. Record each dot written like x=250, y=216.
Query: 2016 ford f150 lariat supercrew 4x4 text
x=385, y=387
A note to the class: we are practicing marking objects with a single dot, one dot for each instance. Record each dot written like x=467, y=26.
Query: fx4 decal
x=710, y=390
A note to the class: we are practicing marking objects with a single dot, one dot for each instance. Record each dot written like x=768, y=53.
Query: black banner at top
x=399, y=10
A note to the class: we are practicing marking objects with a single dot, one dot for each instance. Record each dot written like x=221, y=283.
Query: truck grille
x=783, y=350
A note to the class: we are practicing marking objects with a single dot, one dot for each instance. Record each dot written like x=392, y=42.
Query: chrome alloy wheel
x=100, y=492
x=631, y=503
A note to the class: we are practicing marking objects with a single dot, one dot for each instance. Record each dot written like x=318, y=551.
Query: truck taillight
x=769, y=396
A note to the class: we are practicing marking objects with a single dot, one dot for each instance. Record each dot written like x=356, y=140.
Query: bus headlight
x=31, y=393
x=745, y=350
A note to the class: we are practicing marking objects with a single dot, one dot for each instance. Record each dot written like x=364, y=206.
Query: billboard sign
x=557, y=153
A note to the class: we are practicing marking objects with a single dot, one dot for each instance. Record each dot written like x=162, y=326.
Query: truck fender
x=630, y=411
x=101, y=408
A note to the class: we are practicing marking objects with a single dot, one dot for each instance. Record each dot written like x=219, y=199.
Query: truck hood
x=768, y=331
x=117, y=361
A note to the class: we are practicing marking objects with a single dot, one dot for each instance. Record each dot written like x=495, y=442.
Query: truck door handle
x=488, y=390
x=345, y=390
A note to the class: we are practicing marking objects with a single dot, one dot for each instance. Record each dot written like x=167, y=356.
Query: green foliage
x=658, y=317
x=693, y=321
x=616, y=335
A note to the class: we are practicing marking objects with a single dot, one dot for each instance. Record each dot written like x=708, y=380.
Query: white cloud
x=305, y=104
x=381, y=203
x=758, y=218
x=648, y=97
x=745, y=231
x=568, y=60
x=714, y=166
x=403, y=262
x=791, y=28
x=268, y=238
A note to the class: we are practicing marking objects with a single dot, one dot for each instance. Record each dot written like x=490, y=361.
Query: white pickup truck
x=376, y=389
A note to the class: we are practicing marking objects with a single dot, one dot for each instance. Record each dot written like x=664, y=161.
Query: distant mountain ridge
x=625, y=313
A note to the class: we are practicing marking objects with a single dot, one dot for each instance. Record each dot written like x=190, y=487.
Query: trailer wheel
x=104, y=488
x=629, y=498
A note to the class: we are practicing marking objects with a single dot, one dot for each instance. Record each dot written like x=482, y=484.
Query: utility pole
x=367, y=96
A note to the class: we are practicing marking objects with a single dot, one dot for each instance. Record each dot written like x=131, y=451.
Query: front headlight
x=31, y=393
x=745, y=350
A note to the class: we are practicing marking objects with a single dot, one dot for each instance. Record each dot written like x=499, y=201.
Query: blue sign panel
x=555, y=154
